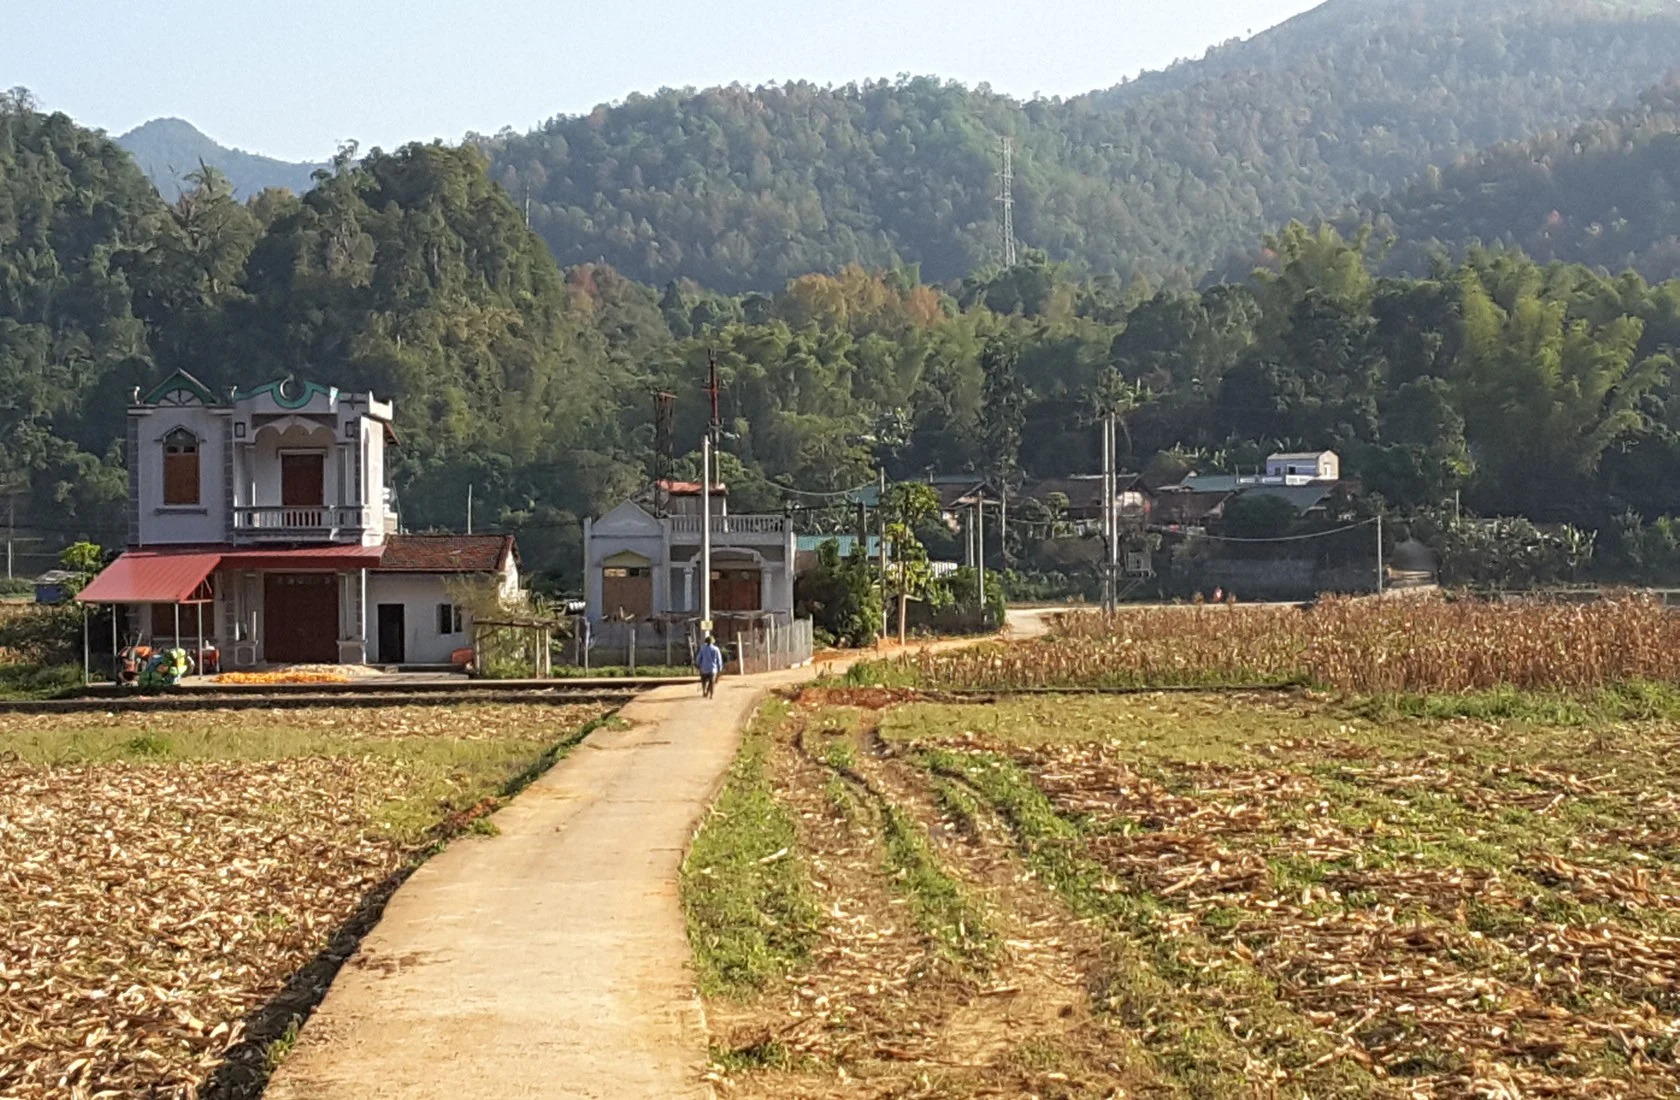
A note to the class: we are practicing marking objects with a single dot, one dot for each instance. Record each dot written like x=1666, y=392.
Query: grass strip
x=746, y=895
x=943, y=911
x=942, y=908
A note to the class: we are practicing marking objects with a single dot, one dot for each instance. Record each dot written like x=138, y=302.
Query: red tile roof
x=446, y=553
x=691, y=488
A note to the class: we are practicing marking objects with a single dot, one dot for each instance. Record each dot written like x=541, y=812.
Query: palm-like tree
x=1115, y=396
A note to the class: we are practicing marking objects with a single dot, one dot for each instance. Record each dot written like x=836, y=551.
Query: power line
x=1160, y=529
x=822, y=496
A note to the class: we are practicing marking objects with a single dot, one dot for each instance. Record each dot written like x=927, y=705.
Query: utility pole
x=1379, y=553
x=1006, y=199
x=1108, y=531
x=469, y=507
x=11, y=531
x=706, y=533
x=980, y=545
x=881, y=548
x=706, y=445
x=1113, y=515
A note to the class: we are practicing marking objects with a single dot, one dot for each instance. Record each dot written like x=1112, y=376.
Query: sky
x=297, y=78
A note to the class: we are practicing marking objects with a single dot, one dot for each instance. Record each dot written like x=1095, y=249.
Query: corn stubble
x=1363, y=646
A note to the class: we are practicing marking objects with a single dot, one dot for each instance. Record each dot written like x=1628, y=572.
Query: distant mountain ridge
x=168, y=149
x=1169, y=176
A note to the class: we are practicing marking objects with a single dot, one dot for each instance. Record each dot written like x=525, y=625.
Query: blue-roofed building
x=807, y=546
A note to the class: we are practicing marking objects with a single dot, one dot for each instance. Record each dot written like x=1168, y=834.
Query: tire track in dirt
x=886, y=1009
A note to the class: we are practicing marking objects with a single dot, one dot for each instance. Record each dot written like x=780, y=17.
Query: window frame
x=449, y=614
x=180, y=444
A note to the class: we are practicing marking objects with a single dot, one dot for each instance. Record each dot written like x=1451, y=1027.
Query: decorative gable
x=627, y=520
x=179, y=389
x=289, y=393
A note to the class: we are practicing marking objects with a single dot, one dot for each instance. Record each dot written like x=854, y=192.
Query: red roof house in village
x=261, y=523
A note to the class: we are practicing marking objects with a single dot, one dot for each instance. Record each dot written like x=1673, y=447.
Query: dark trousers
x=708, y=683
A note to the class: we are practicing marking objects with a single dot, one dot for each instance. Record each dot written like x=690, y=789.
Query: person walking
x=710, y=660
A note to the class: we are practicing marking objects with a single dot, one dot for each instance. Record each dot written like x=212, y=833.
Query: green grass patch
x=746, y=893
x=881, y=674
x=613, y=672
x=20, y=681
x=943, y=911
x=1630, y=702
x=449, y=759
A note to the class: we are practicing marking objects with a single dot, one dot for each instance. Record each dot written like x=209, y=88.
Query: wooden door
x=393, y=634
x=300, y=618
x=626, y=591
x=303, y=481
x=737, y=590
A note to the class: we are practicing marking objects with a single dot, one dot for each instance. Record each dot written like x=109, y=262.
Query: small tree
x=84, y=559
x=840, y=595
x=1259, y=516
x=909, y=503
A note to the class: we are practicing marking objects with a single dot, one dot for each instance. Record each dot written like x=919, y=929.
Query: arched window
x=180, y=467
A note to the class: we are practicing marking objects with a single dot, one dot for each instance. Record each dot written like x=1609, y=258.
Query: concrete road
x=549, y=960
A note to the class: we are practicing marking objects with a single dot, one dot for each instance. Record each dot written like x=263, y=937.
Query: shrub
x=842, y=596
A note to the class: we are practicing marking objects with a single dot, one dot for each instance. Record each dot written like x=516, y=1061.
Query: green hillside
x=1166, y=176
x=169, y=149
x=1605, y=193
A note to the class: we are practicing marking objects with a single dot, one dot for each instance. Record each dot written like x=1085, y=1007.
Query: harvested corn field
x=1194, y=895
x=1368, y=646
x=176, y=889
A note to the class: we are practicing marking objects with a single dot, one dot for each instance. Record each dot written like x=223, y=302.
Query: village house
x=1307, y=480
x=642, y=563
x=262, y=528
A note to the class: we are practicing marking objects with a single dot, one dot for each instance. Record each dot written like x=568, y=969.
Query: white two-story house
x=261, y=524
x=641, y=566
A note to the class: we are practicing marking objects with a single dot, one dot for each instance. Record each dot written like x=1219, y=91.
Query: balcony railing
x=294, y=522
x=731, y=525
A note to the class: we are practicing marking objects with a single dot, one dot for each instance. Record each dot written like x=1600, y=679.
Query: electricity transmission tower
x=1006, y=199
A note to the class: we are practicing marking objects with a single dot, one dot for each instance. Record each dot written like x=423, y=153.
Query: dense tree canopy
x=1545, y=390
x=744, y=188
x=1606, y=193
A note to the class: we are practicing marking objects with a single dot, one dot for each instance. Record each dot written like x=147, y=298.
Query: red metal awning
x=175, y=576
x=151, y=576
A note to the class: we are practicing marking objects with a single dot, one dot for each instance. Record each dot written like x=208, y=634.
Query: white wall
x=600, y=547
x=205, y=522
x=373, y=480
x=420, y=594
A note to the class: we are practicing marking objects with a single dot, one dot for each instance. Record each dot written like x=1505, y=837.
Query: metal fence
x=773, y=647
x=752, y=645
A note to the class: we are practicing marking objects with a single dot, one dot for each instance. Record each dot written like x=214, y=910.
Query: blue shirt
x=710, y=660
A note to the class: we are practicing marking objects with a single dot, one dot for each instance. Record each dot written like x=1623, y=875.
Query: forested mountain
x=1606, y=193
x=169, y=150
x=409, y=273
x=1167, y=176
x=1546, y=391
